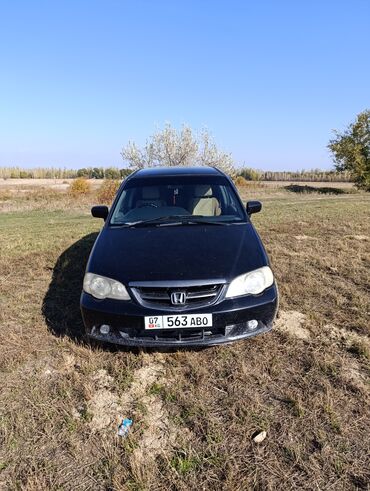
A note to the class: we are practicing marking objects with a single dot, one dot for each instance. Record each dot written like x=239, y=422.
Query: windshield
x=200, y=198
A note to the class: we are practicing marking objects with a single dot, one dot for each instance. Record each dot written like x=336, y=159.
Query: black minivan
x=178, y=263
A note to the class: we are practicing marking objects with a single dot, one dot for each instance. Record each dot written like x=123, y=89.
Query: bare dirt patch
x=290, y=322
x=158, y=436
x=151, y=422
x=353, y=374
x=156, y=432
x=104, y=406
x=348, y=338
x=143, y=378
x=103, y=403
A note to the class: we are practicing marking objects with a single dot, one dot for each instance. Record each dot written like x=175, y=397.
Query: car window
x=211, y=197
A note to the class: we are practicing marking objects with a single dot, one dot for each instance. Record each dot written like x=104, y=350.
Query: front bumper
x=230, y=317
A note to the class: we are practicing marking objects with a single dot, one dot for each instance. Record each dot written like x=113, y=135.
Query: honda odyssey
x=178, y=263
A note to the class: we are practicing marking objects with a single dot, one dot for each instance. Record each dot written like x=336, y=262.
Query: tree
x=250, y=174
x=169, y=147
x=97, y=173
x=125, y=172
x=83, y=173
x=112, y=173
x=351, y=150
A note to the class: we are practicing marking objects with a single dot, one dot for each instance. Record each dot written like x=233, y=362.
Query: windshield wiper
x=173, y=220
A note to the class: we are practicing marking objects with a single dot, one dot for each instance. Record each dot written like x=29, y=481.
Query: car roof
x=177, y=171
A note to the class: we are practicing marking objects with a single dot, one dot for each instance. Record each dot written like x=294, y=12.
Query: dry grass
x=194, y=412
x=54, y=184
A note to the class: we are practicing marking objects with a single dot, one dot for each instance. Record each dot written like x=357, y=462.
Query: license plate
x=178, y=321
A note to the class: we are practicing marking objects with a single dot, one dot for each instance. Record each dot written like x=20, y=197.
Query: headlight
x=251, y=283
x=102, y=287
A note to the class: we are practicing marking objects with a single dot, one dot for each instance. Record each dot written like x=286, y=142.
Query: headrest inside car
x=150, y=192
x=203, y=191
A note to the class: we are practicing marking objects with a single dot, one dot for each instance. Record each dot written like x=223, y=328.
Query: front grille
x=196, y=296
x=179, y=335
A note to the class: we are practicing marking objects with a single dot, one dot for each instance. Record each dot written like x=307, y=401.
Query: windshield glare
x=147, y=199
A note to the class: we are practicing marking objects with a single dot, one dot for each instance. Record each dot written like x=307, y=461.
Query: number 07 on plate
x=178, y=321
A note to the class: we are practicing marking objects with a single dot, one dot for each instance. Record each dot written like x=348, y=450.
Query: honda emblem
x=178, y=298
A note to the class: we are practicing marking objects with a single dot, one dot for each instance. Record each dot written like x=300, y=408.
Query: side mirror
x=100, y=212
x=253, y=207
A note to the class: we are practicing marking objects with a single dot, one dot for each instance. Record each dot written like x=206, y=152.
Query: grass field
x=194, y=412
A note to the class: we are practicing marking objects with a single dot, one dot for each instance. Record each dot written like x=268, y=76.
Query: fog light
x=104, y=329
x=252, y=325
x=228, y=330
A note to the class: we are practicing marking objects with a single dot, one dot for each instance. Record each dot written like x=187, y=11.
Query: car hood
x=186, y=252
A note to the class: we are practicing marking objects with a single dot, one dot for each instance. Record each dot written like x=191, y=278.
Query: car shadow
x=61, y=304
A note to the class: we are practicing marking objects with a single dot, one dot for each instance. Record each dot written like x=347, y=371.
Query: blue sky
x=269, y=79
